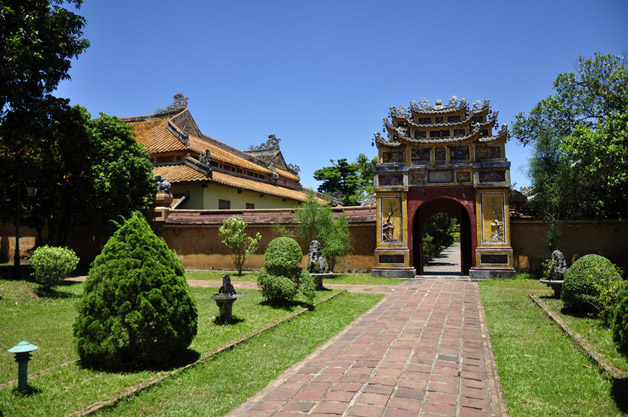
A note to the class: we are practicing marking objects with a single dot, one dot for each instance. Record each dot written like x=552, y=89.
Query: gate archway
x=424, y=212
x=443, y=158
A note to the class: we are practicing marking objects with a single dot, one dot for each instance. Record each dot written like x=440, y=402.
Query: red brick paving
x=423, y=351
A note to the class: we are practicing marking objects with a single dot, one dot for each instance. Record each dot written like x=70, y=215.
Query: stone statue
x=227, y=288
x=559, y=266
x=316, y=262
x=163, y=185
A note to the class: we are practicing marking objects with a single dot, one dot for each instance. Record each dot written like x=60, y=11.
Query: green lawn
x=592, y=329
x=353, y=279
x=214, y=388
x=542, y=372
x=47, y=323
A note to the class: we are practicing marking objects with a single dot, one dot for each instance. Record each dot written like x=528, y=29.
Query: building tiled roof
x=219, y=154
x=155, y=136
x=185, y=173
x=179, y=173
x=257, y=186
x=287, y=174
x=163, y=133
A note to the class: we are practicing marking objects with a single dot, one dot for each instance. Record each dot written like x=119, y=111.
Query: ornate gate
x=443, y=158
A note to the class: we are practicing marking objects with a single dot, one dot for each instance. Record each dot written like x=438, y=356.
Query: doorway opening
x=433, y=222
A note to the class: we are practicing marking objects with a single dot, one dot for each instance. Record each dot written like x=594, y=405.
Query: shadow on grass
x=234, y=320
x=289, y=306
x=52, y=293
x=619, y=392
x=187, y=357
x=578, y=313
x=30, y=390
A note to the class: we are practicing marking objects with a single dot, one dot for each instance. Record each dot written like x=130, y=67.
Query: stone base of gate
x=477, y=274
x=394, y=272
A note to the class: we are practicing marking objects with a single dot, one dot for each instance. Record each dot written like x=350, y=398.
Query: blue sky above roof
x=322, y=75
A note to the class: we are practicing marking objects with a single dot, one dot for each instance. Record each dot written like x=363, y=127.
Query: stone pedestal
x=225, y=305
x=318, y=278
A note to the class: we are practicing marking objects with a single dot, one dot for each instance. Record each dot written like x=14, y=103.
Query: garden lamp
x=22, y=356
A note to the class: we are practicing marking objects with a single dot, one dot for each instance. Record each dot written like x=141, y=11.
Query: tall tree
x=353, y=181
x=85, y=171
x=37, y=40
x=316, y=222
x=580, y=158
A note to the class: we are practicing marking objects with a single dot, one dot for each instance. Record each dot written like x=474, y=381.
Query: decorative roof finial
x=439, y=104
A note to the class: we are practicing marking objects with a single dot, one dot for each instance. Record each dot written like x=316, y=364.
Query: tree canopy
x=353, y=181
x=579, y=166
x=84, y=170
x=37, y=39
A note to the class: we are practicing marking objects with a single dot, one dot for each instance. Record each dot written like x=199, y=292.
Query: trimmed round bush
x=52, y=264
x=276, y=288
x=591, y=285
x=282, y=278
x=282, y=256
x=136, y=311
x=620, y=324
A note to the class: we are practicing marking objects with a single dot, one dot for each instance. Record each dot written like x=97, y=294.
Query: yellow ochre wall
x=207, y=197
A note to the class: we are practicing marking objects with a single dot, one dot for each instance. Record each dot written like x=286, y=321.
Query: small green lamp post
x=22, y=356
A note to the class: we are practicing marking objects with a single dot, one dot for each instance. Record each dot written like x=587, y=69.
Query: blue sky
x=321, y=75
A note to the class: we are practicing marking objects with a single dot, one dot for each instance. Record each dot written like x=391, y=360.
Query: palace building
x=205, y=173
x=443, y=159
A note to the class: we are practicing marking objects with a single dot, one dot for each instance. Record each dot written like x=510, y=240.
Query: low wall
x=193, y=234
x=578, y=238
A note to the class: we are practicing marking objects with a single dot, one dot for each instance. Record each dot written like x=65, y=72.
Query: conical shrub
x=136, y=310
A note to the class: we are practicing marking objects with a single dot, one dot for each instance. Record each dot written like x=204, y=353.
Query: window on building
x=453, y=119
x=419, y=134
x=424, y=120
x=484, y=132
x=165, y=159
x=250, y=206
x=459, y=132
x=439, y=119
x=402, y=123
x=477, y=119
x=224, y=204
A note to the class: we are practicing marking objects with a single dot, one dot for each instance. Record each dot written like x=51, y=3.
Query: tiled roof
x=257, y=186
x=219, y=154
x=179, y=173
x=185, y=173
x=159, y=133
x=287, y=174
x=155, y=136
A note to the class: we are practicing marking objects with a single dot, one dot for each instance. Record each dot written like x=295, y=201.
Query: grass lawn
x=215, y=387
x=542, y=372
x=47, y=323
x=354, y=279
x=593, y=330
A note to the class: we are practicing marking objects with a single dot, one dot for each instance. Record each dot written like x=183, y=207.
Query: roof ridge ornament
x=272, y=144
x=205, y=161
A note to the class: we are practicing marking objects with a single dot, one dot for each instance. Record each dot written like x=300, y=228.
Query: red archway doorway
x=422, y=207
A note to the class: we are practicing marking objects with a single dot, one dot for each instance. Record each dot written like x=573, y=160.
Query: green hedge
x=136, y=310
x=591, y=285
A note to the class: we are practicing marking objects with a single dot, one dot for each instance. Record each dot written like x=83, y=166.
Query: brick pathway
x=422, y=351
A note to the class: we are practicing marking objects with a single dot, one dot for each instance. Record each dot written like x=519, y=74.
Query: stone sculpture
x=559, y=266
x=163, y=185
x=316, y=262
